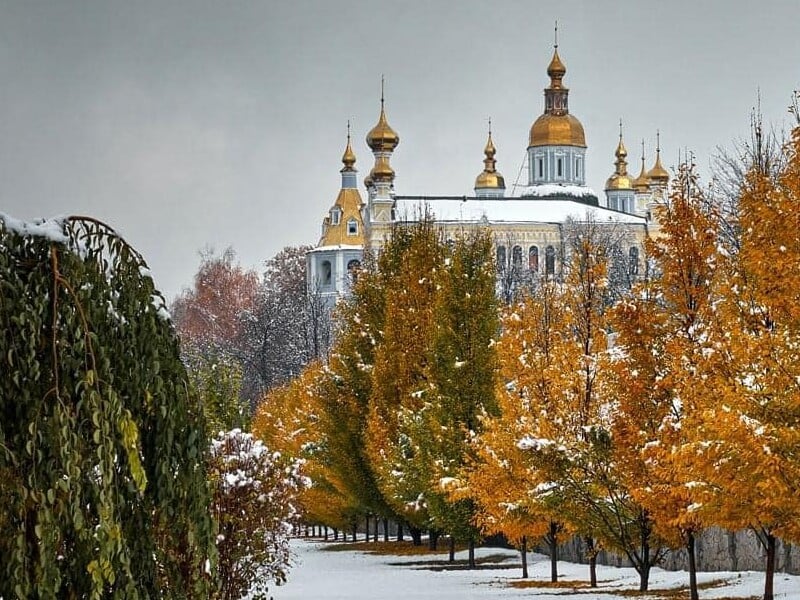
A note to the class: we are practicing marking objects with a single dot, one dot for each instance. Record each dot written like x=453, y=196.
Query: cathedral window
x=336, y=216
x=541, y=168
x=352, y=227
x=516, y=258
x=533, y=259
x=501, y=258
x=352, y=269
x=550, y=261
x=326, y=274
x=633, y=259
x=560, y=167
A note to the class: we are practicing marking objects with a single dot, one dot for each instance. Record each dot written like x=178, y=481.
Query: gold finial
x=489, y=178
x=642, y=183
x=349, y=157
x=622, y=152
x=658, y=174
x=620, y=180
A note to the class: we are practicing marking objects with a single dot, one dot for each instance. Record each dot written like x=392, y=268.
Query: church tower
x=641, y=189
x=490, y=184
x=382, y=140
x=557, y=144
x=333, y=264
x=620, y=194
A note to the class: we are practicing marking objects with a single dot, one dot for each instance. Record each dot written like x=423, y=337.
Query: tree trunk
x=644, y=571
x=471, y=554
x=524, y=551
x=385, y=529
x=399, y=531
x=355, y=528
x=377, y=524
x=552, y=541
x=769, y=578
x=326, y=533
x=416, y=535
x=452, y=557
x=433, y=539
x=591, y=554
x=366, y=529
x=693, y=595
x=335, y=534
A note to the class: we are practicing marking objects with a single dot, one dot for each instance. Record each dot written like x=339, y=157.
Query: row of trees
x=634, y=422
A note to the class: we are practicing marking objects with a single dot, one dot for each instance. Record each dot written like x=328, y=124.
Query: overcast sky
x=193, y=124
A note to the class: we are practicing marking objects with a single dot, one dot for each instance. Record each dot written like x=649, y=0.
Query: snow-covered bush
x=254, y=504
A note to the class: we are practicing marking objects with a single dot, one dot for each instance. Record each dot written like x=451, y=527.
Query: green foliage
x=218, y=382
x=102, y=448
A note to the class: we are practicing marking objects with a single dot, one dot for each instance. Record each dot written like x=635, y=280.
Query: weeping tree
x=103, y=488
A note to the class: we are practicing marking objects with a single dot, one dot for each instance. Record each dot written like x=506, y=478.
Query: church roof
x=508, y=210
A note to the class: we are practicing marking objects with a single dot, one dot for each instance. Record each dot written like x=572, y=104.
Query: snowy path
x=325, y=575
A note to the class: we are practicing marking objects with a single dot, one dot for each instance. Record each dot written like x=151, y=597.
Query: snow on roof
x=507, y=210
x=336, y=247
x=552, y=189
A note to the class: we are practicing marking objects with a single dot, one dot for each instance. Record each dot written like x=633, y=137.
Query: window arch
x=352, y=227
x=633, y=261
x=533, y=259
x=326, y=272
x=336, y=215
x=550, y=261
x=501, y=258
x=516, y=258
x=353, y=267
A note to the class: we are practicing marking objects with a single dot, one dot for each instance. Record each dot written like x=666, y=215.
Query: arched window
x=560, y=167
x=533, y=259
x=516, y=258
x=633, y=261
x=326, y=273
x=550, y=261
x=352, y=227
x=336, y=216
x=353, y=267
x=541, y=168
x=501, y=258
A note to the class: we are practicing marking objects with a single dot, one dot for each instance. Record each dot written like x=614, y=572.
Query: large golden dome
x=557, y=130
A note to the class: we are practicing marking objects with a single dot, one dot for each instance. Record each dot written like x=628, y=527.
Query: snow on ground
x=354, y=575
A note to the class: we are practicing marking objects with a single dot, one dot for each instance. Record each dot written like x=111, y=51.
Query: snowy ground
x=352, y=575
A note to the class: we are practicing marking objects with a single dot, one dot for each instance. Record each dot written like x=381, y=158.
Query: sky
x=188, y=125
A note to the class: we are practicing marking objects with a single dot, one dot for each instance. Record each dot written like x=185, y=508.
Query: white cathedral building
x=528, y=228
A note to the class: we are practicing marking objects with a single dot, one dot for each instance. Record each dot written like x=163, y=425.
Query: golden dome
x=658, y=174
x=557, y=130
x=382, y=137
x=642, y=183
x=490, y=178
x=556, y=69
x=349, y=157
x=620, y=179
x=382, y=171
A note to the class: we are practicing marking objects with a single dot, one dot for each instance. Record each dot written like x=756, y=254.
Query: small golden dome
x=557, y=130
x=556, y=69
x=349, y=157
x=642, y=183
x=620, y=179
x=658, y=174
x=382, y=137
x=382, y=171
x=490, y=178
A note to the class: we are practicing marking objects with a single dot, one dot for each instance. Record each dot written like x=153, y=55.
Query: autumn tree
x=410, y=265
x=103, y=451
x=512, y=491
x=749, y=432
x=460, y=371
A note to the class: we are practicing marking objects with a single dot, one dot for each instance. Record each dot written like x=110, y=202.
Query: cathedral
x=527, y=228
